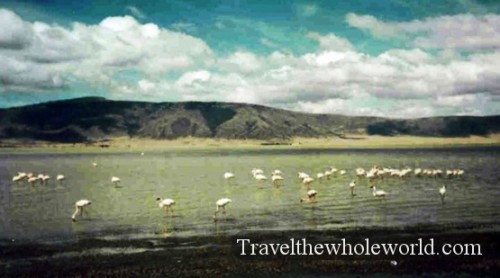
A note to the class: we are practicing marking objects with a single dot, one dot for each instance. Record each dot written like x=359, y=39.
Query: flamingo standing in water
x=351, y=186
x=17, y=178
x=277, y=179
x=229, y=176
x=115, y=180
x=307, y=181
x=221, y=204
x=32, y=180
x=79, y=205
x=260, y=178
x=442, y=193
x=60, y=178
x=45, y=179
x=378, y=193
x=166, y=204
x=310, y=197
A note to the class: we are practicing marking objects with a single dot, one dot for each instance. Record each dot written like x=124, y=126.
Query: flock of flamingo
x=277, y=179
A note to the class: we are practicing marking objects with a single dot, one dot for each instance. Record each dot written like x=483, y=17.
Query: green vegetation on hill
x=93, y=118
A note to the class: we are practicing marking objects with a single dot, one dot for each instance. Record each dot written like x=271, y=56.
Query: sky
x=389, y=58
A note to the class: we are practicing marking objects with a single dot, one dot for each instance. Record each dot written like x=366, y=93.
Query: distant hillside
x=93, y=118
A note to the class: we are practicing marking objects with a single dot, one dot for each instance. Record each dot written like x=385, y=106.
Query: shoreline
x=125, y=144
x=218, y=255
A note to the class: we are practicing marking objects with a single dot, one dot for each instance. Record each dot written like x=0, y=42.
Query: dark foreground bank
x=219, y=255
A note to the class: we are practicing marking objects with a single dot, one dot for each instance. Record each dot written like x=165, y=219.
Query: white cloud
x=331, y=42
x=191, y=78
x=15, y=33
x=462, y=31
x=169, y=65
x=92, y=53
x=243, y=61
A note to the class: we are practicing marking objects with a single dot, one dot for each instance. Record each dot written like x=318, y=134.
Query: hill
x=94, y=118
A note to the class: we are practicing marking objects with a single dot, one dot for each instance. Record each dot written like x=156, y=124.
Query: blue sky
x=389, y=58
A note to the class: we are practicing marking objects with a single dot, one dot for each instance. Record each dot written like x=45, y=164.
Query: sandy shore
x=125, y=144
x=219, y=256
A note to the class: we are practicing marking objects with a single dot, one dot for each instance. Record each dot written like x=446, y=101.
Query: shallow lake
x=195, y=180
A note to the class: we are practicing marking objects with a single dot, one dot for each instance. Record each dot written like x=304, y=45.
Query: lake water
x=42, y=213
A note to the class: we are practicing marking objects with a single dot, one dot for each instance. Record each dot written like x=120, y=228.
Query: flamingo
x=378, y=193
x=60, y=178
x=277, y=179
x=17, y=178
x=256, y=171
x=351, y=186
x=45, y=179
x=79, y=205
x=32, y=180
x=442, y=193
x=310, y=197
x=260, y=177
x=94, y=163
x=320, y=176
x=418, y=172
x=115, y=180
x=228, y=175
x=166, y=204
x=342, y=172
x=307, y=181
x=221, y=204
x=360, y=172
x=277, y=172
x=302, y=175
x=328, y=174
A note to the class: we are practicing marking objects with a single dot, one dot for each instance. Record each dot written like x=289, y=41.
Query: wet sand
x=218, y=255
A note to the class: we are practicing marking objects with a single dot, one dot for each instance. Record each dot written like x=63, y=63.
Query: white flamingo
x=17, y=178
x=260, y=178
x=328, y=174
x=342, y=172
x=351, y=186
x=378, y=193
x=442, y=193
x=32, y=180
x=221, y=205
x=94, y=163
x=60, y=178
x=256, y=171
x=229, y=175
x=79, y=205
x=166, y=204
x=360, y=172
x=302, y=175
x=45, y=179
x=307, y=181
x=277, y=172
x=320, y=176
x=277, y=179
x=115, y=180
x=310, y=196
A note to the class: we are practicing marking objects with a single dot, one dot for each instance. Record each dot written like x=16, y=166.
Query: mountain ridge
x=95, y=118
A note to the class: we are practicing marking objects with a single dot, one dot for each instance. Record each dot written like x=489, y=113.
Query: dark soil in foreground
x=219, y=256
